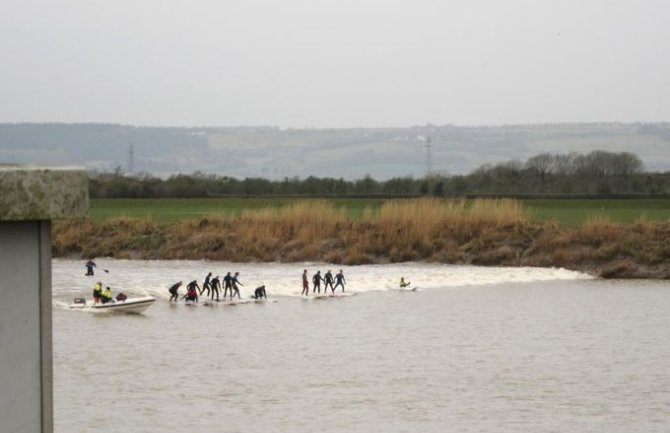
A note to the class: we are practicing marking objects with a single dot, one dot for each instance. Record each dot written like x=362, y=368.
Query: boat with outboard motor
x=130, y=305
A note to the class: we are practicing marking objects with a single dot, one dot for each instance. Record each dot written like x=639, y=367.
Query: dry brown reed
x=490, y=232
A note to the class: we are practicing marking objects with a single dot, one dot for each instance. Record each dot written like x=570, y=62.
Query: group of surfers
x=230, y=287
x=213, y=287
x=327, y=279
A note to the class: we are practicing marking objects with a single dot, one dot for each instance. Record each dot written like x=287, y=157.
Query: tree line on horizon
x=597, y=174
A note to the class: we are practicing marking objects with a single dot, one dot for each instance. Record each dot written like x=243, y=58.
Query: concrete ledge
x=42, y=193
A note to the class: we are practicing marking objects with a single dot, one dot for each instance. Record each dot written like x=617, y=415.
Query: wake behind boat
x=131, y=305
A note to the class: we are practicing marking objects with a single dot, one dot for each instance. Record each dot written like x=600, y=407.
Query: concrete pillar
x=29, y=199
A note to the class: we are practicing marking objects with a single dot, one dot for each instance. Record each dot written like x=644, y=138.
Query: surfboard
x=235, y=302
x=331, y=295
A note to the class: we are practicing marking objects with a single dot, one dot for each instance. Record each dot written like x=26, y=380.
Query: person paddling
x=89, y=267
x=404, y=284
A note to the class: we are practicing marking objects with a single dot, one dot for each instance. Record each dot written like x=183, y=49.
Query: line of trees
x=597, y=173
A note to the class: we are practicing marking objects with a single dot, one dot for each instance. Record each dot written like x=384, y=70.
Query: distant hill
x=350, y=153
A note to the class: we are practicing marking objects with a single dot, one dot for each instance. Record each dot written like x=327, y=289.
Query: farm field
x=562, y=211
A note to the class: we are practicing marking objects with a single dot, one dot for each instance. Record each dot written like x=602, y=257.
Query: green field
x=563, y=211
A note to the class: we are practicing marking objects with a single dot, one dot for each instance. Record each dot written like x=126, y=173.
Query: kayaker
x=403, y=283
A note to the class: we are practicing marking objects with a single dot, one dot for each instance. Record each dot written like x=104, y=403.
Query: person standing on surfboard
x=305, y=284
x=227, y=285
x=215, y=284
x=205, y=285
x=89, y=267
x=193, y=285
x=328, y=281
x=316, y=280
x=174, y=291
x=339, y=280
x=235, y=282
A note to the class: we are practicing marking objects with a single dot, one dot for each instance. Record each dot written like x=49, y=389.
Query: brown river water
x=472, y=350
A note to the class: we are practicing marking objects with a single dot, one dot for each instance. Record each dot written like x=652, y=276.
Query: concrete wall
x=25, y=327
x=29, y=199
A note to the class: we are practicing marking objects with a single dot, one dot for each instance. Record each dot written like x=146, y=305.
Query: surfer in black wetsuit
x=193, y=285
x=305, y=284
x=215, y=287
x=173, y=291
x=205, y=285
x=328, y=281
x=227, y=285
x=339, y=280
x=89, y=267
x=259, y=293
x=316, y=280
x=235, y=282
x=191, y=294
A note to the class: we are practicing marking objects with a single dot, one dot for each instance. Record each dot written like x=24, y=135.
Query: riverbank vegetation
x=597, y=174
x=483, y=232
x=562, y=211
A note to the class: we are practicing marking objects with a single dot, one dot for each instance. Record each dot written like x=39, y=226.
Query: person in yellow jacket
x=97, y=292
x=106, y=295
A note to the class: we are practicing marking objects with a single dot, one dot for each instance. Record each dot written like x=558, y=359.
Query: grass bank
x=562, y=211
x=483, y=232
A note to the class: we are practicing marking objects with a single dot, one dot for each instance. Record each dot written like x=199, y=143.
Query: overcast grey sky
x=334, y=63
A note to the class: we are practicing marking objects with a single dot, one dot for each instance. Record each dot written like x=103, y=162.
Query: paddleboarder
x=89, y=267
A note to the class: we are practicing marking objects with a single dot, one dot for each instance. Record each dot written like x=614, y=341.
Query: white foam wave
x=139, y=277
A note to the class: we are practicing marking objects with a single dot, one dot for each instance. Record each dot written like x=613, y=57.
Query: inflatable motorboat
x=129, y=305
